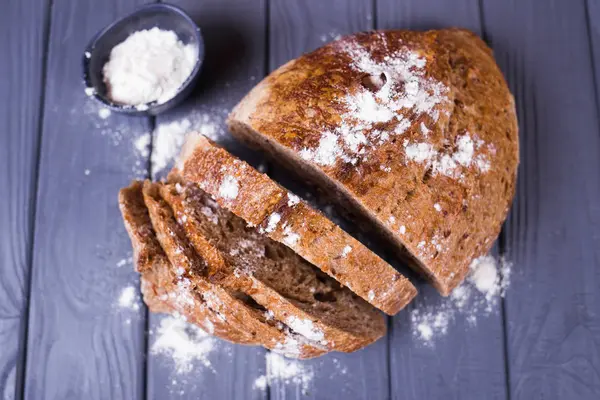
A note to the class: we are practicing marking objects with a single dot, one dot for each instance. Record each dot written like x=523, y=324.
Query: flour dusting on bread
x=469, y=152
x=397, y=84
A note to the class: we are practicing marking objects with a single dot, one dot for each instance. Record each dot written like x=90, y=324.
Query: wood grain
x=295, y=28
x=467, y=362
x=428, y=14
x=80, y=344
x=593, y=27
x=234, y=34
x=553, y=232
x=22, y=43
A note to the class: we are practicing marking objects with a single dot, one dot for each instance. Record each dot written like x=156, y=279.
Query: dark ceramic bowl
x=97, y=53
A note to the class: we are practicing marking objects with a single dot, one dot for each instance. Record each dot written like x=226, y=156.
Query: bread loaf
x=414, y=130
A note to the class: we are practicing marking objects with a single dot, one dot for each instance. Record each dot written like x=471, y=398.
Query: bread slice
x=417, y=131
x=293, y=291
x=261, y=202
x=236, y=308
x=161, y=286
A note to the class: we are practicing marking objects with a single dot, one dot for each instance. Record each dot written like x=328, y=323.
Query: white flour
x=306, y=328
x=450, y=164
x=150, y=65
x=477, y=296
x=280, y=369
x=187, y=344
x=169, y=137
x=104, y=113
x=128, y=299
x=396, y=84
x=229, y=188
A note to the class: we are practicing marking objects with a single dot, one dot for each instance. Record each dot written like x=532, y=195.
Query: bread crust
x=437, y=177
x=289, y=220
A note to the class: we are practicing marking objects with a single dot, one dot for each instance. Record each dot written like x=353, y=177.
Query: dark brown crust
x=234, y=312
x=319, y=241
x=289, y=110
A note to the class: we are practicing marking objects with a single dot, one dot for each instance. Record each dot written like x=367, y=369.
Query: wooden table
x=61, y=237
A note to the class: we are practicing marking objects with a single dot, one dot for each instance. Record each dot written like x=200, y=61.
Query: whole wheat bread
x=293, y=291
x=415, y=130
x=235, y=307
x=160, y=283
x=285, y=218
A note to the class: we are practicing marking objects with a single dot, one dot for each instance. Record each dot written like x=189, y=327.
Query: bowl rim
x=153, y=105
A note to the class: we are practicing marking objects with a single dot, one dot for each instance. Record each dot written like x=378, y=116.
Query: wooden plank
x=467, y=362
x=428, y=14
x=234, y=33
x=593, y=25
x=22, y=41
x=80, y=344
x=295, y=28
x=553, y=233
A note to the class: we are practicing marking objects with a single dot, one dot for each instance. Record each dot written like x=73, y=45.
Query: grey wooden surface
x=64, y=255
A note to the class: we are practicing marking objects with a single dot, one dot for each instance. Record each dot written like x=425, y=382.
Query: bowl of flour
x=146, y=62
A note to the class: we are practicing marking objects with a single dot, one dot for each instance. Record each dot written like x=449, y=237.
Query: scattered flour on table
x=286, y=371
x=150, y=65
x=128, y=299
x=125, y=262
x=185, y=343
x=330, y=36
x=477, y=296
x=104, y=113
x=166, y=141
x=169, y=137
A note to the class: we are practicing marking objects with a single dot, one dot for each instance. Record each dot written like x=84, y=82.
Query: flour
x=168, y=140
x=393, y=87
x=282, y=370
x=306, y=328
x=142, y=144
x=290, y=237
x=329, y=36
x=468, y=153
x=229, y=188
x=478, y=296
x=104, y=113
x=187, y=344
x=170, y=136
x=346, y=250
x=150, y=65
x=292, y=200
x=272, y=222
x=128, y=299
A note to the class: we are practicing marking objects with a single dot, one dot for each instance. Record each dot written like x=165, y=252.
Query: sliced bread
x=287, y=219
x=417, y=131
x=291, y=289
x=162, y=287
x=236, y=308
